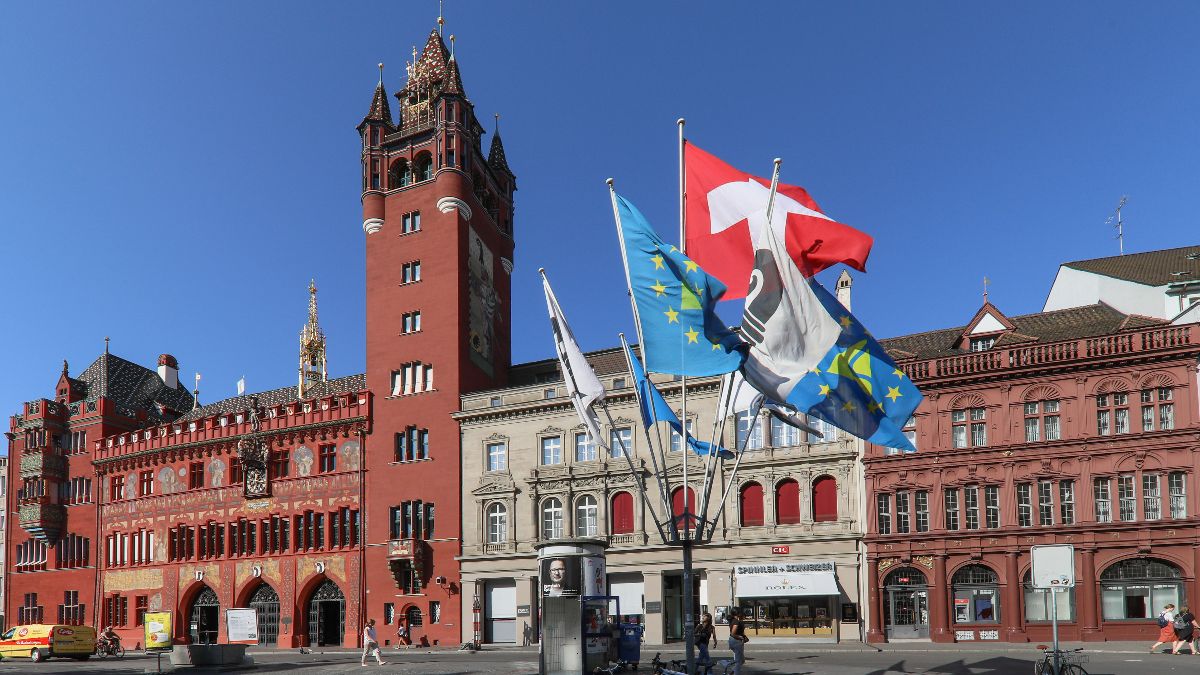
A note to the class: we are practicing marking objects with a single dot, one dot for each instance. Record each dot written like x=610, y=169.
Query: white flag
x=788, y=328
x=583, y=386
x=242, y=386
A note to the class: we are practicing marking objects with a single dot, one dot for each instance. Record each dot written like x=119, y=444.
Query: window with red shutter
x=787, y=503
x=622, y=513
x=752, y=505
x=824, y=499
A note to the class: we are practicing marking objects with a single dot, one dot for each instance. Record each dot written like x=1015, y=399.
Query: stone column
x=939, y=602
x=1011, y=605
x=875, y=632
x=652, y=583
x=1086, y=596
x=806, y=483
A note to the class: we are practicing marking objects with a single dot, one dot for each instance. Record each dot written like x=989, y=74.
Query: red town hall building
x=321, y=503
x=1076, y=425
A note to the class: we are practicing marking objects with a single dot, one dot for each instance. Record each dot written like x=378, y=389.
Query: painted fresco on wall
x=169, y=482
x=216, y=472
x=484, y=302
x=131, y=483
x=350, y=455
x=303, y=459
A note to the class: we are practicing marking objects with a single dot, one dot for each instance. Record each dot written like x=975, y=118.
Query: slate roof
x=430, y=67
x=454, y=83
x=1042, y=327
x=380, y=110
x=1152, y=268
x=132, y=386
x=496, y=158
x=279, y=396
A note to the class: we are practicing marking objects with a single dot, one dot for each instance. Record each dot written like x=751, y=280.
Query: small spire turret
x=313, y=364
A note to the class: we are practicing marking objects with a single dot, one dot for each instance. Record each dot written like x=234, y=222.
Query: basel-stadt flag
x=674, y=301
x=655, y=409
x=726, y=213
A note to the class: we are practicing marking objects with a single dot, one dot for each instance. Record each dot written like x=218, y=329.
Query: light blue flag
x=856, y=386
x=654, y=408
x=675, y=299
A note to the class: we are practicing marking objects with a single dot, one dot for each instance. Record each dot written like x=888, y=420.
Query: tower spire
x=441, y=17
x=313, y=365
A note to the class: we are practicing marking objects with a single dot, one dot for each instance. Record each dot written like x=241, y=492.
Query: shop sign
x=781, y=550
x=653, y=607
x=522, y=610
x=785, y=568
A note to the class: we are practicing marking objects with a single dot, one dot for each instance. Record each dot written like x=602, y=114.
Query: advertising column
x=569, y=572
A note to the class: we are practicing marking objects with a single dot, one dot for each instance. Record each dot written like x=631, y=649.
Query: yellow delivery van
x=41, y=641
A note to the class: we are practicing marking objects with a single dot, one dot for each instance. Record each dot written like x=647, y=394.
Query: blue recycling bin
x=629, y=649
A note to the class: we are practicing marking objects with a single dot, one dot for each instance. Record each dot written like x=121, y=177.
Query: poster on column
x=593, y=576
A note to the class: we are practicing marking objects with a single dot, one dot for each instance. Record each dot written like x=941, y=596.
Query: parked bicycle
x=1068, y=662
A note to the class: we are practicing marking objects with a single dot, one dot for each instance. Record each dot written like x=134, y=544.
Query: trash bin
x=630, y=647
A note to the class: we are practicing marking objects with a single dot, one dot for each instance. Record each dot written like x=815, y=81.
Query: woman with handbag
x=737, y=639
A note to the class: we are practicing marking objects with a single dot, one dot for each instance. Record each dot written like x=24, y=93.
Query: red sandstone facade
x=128, y=497
x=1078, y=427
x=437, y=214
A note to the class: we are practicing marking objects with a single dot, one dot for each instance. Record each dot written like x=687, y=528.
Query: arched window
x=552, y=519
x=1038, y=601
x=824, y=499
x=787, y=502
x=976, y=595
x=497, y=523
x=904, y=577
x=622, y=513
x=751, y=503
x=1139, y=588
x=677, y=502
x=398, y=175
x=423, y=167
x=585, y=516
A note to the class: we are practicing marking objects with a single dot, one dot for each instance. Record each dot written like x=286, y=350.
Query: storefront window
x=1139, y=588
x=808, y=616
x=976, y=595
x=1038, y=607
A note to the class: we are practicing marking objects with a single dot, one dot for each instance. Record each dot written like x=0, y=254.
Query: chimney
x=844, y=283
x=168, y=370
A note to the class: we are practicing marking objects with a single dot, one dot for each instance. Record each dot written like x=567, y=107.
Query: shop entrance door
x=204, y=616
x=673, y=603
x=907, y=604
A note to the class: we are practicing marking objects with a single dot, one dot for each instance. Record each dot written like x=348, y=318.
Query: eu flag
x=857, y=387
x=654, y=407
x=675, y=300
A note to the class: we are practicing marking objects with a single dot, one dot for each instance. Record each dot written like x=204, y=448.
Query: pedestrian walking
x=371, y=643
x=737, y=639
x=1184, y=624
x=1166, y=631
x=705, y=633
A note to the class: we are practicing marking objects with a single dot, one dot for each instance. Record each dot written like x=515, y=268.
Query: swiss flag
x=727, y=209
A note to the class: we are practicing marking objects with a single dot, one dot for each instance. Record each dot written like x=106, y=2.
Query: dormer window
x=983, y=344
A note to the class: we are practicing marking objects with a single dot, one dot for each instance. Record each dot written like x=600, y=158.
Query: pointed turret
x=453, y=78
x=381, y=110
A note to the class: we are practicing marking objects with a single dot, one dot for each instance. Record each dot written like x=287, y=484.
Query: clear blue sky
x=172, y=174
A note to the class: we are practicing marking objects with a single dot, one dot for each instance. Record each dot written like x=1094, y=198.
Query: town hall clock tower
x=438, y=222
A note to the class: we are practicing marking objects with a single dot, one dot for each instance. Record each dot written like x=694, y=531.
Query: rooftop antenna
x=1119, y=224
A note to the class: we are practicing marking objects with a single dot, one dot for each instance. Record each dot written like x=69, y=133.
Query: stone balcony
x=42, y=519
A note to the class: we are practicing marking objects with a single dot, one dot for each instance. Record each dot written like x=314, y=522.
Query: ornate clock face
x=256, y=483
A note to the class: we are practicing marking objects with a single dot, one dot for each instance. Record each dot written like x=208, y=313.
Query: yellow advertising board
x=158, y=630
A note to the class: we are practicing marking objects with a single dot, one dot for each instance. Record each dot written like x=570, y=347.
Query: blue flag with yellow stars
x=675, y=300
x=654, y=408
x=857, y=387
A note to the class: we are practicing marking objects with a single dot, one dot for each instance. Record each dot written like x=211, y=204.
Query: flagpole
x=736, y=463
x=660, y=478
x=718, y=434
x=688, y=601
x=635, y=475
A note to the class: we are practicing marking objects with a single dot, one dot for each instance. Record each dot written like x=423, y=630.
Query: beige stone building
x=788, y=543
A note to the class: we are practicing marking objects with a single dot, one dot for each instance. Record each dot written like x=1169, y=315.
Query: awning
x=756, y=582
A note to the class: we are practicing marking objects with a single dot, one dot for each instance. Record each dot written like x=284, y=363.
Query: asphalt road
x=775, y=661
